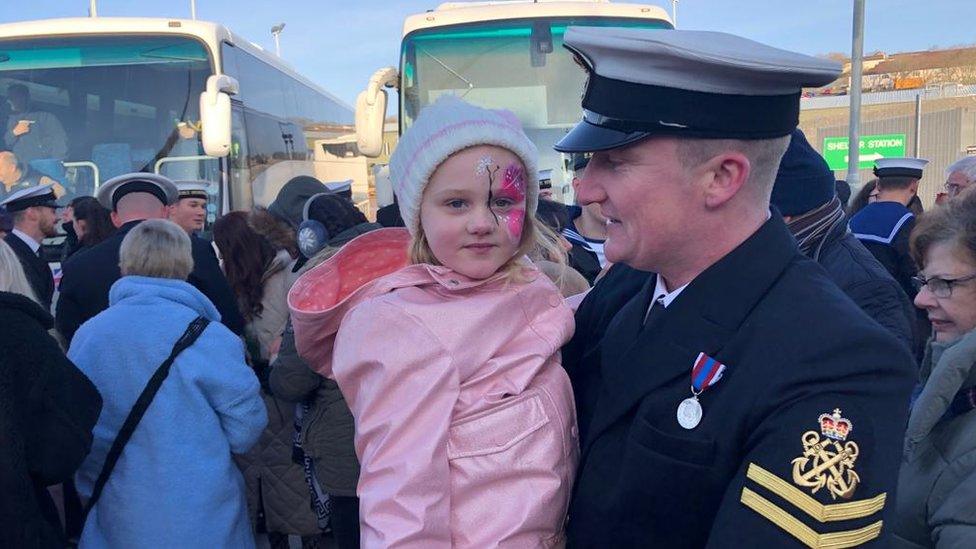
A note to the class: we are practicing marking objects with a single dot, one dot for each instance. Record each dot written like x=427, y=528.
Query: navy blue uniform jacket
x=88, y=275
x=38, y=273
x=797, y=350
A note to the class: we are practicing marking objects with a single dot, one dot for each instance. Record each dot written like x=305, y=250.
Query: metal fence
x=880, y=98
x=948, y=126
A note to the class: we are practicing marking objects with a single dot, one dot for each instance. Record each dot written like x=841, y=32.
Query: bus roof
x=212, y=34
x=455, y=13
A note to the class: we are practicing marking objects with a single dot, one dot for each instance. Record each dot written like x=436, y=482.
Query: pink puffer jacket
x=465, y=422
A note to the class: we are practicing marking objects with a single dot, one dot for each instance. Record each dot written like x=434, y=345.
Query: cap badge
x=828, y=462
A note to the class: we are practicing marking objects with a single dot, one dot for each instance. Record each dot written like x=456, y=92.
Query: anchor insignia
x=828, y=462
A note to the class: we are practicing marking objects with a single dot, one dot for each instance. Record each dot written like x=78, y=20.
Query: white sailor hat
x=686, y=83
x=340, y=187
x=193, y=189
x=41, y=195
x=161, y=187
x=900, y=167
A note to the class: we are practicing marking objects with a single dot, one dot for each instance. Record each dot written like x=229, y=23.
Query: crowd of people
x=713, y=348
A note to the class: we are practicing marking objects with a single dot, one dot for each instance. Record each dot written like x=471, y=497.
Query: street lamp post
x=92, y=8
x=674, y=13
x=854, y=126
x=193, y=9
x=276, y=32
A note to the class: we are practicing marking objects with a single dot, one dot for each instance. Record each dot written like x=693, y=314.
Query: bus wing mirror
x=371, y=112
x=382, y=185
x=215, y=114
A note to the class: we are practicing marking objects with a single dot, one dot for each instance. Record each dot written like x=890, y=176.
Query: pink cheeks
x=514, y=221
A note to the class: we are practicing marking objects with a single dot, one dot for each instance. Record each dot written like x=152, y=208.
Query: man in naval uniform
x=88, y=276
x=190, y=209
x=728, y=393
x=33, y=211
x=884, y=225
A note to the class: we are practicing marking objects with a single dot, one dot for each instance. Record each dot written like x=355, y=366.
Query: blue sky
x=339, y=44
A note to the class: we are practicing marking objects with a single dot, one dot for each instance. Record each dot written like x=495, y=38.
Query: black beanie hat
x=335, y=212
x=290, y=202
x=804, y=181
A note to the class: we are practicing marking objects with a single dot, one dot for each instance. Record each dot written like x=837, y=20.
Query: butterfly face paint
x=509, y=205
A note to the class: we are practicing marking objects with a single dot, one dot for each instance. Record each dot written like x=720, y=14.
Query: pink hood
x=465, y=422
x=322, y=296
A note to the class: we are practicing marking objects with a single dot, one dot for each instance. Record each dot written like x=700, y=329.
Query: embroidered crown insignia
x=835, y=427
x=828, y=462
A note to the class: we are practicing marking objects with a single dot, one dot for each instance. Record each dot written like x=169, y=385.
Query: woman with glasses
x=937, y=483
x=960, y=175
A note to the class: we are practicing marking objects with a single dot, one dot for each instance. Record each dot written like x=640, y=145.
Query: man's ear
x=115, y=219
x=724, y=176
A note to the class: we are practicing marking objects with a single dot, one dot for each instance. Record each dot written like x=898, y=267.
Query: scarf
x=319, y=500
x=811, y=229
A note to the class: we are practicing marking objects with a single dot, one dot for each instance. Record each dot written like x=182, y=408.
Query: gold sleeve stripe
x=820, y=512
x=802, y=532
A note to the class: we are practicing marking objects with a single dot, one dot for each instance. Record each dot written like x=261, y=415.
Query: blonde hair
x=536, y=239
x=158, y=248
x=12, y=276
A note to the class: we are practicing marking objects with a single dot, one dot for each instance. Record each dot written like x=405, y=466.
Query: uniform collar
x=33, y=244
x=661, y=293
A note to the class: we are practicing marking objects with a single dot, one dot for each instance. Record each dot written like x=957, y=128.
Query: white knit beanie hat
x=443, y=128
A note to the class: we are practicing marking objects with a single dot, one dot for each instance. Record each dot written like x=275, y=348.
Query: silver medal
x=689, y=413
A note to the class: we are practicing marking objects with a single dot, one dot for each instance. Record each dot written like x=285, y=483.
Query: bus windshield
x=519, y=65
x=94, y=107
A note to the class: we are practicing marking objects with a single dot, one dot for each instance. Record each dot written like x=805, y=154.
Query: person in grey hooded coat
x=936, y=500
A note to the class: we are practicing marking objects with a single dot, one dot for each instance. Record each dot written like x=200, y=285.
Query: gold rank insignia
x=828, y=462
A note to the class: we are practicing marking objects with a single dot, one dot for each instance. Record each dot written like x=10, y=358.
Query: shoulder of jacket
x=840, y=320
x=19, y=323
x=391, y=309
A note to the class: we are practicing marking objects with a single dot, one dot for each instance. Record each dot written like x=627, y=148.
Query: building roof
x=922, y=60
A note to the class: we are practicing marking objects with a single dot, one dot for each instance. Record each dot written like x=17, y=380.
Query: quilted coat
x=937, y=483
x=276, y=486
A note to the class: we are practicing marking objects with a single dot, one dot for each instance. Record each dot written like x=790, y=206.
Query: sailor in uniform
x=728, y=393
x=88, y=276
x=33, y=211
x=885, y=225
x=190, y=209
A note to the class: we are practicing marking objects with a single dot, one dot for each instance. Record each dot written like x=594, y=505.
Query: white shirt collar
x=662, y=295
x=34, y=245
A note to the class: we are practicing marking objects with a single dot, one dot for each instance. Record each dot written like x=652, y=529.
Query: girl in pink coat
x=445, y=343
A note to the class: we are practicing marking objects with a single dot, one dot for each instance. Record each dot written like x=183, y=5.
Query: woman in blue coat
x=175, y=484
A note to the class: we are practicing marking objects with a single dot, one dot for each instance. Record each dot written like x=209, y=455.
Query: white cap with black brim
x=699, y=84
x=161, y=187
x=193, y=189
x=40, y=195
x=900, y=167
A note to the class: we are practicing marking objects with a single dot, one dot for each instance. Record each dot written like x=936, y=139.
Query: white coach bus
x=187, y=99
x=500, y=55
